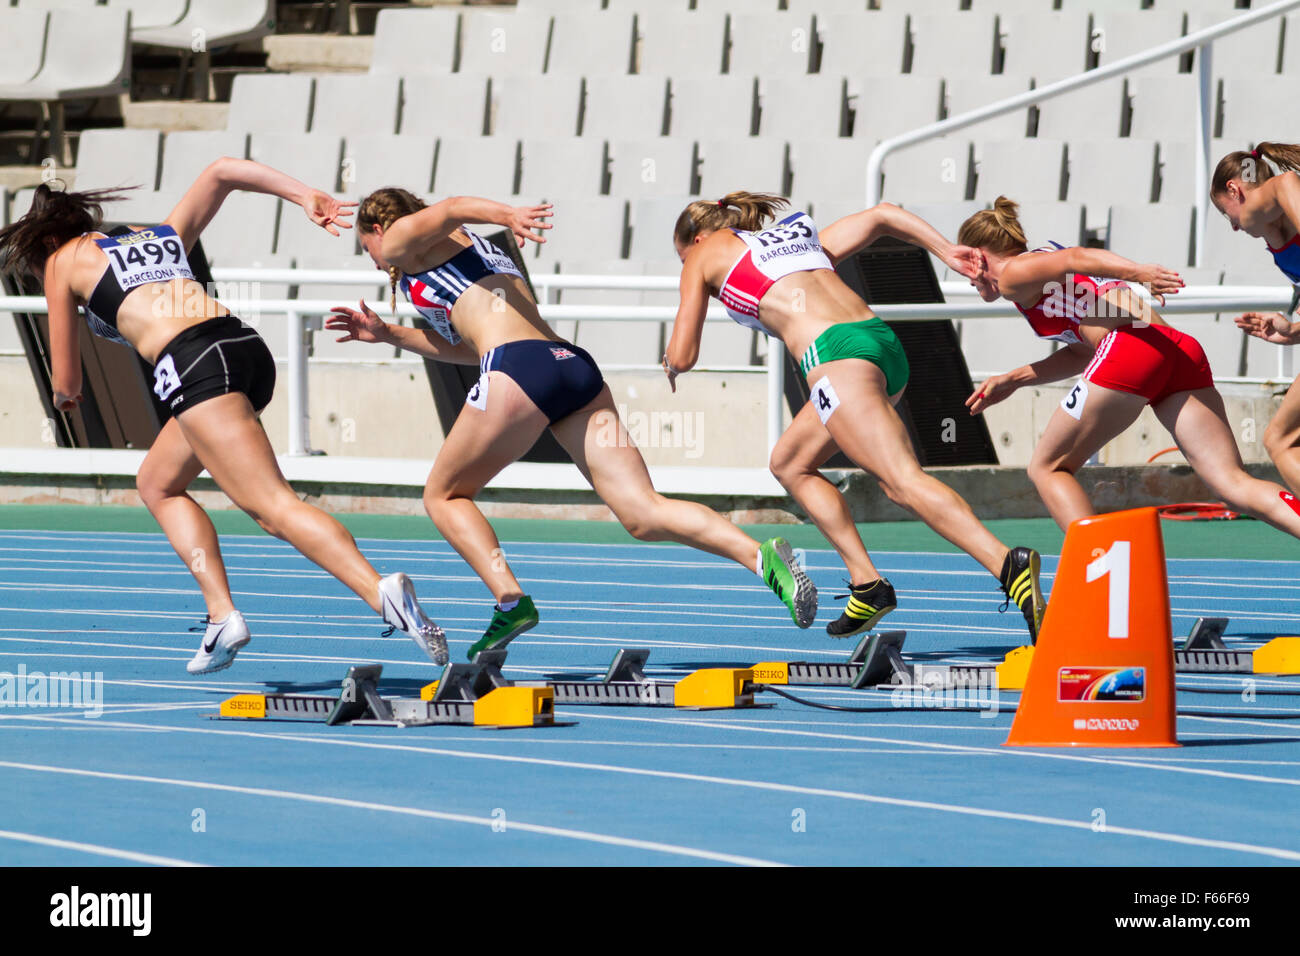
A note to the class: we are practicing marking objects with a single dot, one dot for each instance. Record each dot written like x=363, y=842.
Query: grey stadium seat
x=410, y=42
x=770, y=44
x=535, y=105
x=803, y=106
x=1046, y=222
x=681, y=44
x=593, y=227
x=455, y=105
x=350, y=103
x=218, y=22
x=942, y=41
x=1095, y=110
x=1164, y=107
x=234, y=295
x=754, y=165
x=945, y=217
x=862, y=45
x=1234, y=251
x=966, y=93
x=583, y=44
x=823, y=168
x=243, y=231
x=371, y=162
x=1177, y=170
x=503, y=43
x=651, y=167
x=476, y=167
x=188, y=153
x=313, y=158
x=1043, y=44
x=118, y=157
x=1027, y=169
x=66, y=72
x=576, y=164
x=270, y=102
x=1257, y=48
x=1119, y=34
x=610, y=342
x=1152, y=233
x=653, y=220
x=1291, y=45
x=325, y=342
x=1110, y=171
x=299, y=237
x=625, y=107
x=146, y=14
x=1253, y=108
x=22, y=44
x=887, y=106
x=935, y=170
x=713, y=106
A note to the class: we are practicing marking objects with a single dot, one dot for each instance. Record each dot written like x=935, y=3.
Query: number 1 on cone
x=1115, y=562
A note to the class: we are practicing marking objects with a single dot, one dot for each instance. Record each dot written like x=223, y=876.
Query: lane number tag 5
x=1074, y=402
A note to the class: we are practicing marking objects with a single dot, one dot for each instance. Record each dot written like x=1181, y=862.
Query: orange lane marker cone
x=1102, y=673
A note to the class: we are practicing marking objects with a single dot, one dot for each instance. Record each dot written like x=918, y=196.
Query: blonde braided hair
x=382, y=208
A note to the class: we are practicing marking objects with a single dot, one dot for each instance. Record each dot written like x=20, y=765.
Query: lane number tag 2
x=824, y=398
x=165, y=379
x=1074, y=402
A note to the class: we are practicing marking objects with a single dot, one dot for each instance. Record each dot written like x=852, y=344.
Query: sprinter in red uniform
x=1128, y=356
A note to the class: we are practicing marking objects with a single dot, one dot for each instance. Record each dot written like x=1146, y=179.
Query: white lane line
x=1160, y=836
x=582, y=835
x=129, y=855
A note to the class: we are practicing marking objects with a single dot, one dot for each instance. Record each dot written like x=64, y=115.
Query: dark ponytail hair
x=55, y=214
x=1253, y=165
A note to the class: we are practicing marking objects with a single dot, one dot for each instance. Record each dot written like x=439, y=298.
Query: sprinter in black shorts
x=212, y=371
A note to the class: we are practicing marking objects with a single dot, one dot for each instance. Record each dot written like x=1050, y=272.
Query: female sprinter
x=781, y=281
x=215, y=374
x=1128, y=356
x=1267, y=206
x=481, y=313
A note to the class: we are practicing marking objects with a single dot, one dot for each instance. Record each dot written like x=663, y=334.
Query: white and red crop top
x=1058, y=313
x=773, y=253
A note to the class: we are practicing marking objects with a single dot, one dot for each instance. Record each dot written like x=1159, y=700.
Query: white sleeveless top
x=791, y=245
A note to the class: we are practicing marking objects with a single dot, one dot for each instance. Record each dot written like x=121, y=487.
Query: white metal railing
x=1201, y=40
x=302, y=316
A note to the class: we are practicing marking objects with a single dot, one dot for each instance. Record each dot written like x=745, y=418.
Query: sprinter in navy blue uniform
x=1266, y=204
x=214, y=373
x=481, y=313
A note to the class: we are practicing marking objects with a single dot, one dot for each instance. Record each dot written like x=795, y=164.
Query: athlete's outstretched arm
x=1025, y=278
x=65, y=349
x=1280, y=196
x=365, y=326
x=411, y=236
x=846, y=236
x=684, y=346
x=1061, y=364
x=226, y=175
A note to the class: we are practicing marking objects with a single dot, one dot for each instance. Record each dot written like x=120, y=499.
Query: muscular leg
x=1282, y=437
x=165, y=474
x=1067, y=443
x=801, y=450
x=1199, y=425
x=600, y=447
x=868, y=429
x=229, y=441
x=478, y=446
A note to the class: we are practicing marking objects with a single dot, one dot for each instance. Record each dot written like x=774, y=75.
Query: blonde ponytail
x=737, y=210
x=997, y=229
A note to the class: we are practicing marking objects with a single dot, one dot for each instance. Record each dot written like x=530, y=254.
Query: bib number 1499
x=1115, y=563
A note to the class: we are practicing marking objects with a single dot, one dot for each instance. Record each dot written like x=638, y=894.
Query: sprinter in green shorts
x=780, y=280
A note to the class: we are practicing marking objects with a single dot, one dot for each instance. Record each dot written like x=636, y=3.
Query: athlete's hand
x=363, y=326
x=523, y=220
x=965, y=260
x=328, y=212
x=65, y=402
x=1269, y=326
x=992, y=391
x=1159, y=281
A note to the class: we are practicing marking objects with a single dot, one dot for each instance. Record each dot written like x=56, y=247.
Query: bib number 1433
x=1115, y=563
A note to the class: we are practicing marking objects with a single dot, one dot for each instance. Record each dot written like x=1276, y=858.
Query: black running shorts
x=214, y=358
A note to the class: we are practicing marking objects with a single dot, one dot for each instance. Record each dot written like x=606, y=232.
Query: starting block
x=624, y=684
x=469, y=698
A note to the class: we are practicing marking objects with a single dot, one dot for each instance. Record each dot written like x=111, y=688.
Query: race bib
x=477, y=397
x=1074, y=402
x=824, y=398
x=151, y=255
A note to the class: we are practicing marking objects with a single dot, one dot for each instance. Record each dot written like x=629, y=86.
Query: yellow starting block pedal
x=715, y=687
